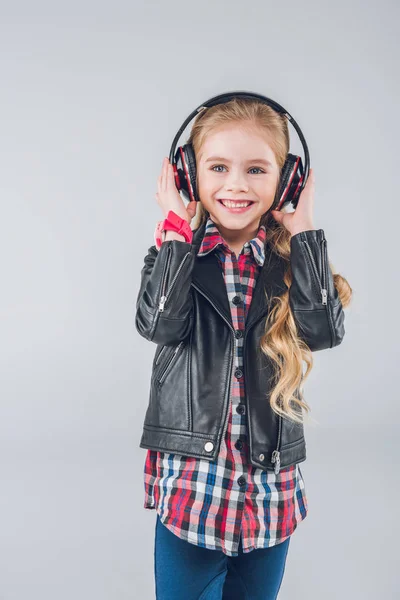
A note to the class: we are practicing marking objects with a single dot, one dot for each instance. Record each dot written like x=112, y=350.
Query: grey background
x=92, y=94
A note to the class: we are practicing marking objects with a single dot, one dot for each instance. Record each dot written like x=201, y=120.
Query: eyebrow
x=252, y=160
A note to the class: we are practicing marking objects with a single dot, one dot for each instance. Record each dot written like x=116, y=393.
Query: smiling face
x=237, y=163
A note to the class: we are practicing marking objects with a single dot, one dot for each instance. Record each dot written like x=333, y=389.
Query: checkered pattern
x=201, y=501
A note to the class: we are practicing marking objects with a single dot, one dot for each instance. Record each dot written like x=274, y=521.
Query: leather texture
x=192, y=367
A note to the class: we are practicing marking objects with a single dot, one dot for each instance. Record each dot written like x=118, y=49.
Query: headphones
x=292, y=178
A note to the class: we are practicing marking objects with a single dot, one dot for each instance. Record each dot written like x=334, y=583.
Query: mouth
x=235, y=206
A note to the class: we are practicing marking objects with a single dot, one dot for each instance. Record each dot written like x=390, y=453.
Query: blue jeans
x=184, y=571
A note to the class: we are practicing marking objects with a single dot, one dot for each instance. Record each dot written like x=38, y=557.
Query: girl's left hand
x=302, y=218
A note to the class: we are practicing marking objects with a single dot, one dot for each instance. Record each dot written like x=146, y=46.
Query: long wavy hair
x=280, y=341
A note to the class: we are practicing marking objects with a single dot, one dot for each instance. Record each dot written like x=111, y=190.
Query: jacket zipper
x=322, y=283
x=275, y=459
x=229, y=403
x=231, y=364
x=164, y=294
x=170, y=361
x=325, y=274
x=276, y=455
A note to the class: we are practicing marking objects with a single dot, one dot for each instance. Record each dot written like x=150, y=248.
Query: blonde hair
x=280, y=341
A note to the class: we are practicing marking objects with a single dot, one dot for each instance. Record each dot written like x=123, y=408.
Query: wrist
x=184, y=217
x=173, y=235
x=174, y=227
x=300, y=229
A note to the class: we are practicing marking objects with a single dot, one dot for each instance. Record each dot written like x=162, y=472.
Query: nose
x=236, y=181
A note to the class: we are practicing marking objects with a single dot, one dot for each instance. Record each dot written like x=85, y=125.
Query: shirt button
x=238, y=373
x=208, y=446
x=236, y=299
x=241, y=481
x=239, y=445
x=241, y=409
x=238, y=333
x=261, y=457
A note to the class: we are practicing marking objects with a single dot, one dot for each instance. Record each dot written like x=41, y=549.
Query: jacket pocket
x=165, y=363
x=158, y=355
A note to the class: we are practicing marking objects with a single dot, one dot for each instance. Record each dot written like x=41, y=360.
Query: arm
x=164, y=303
x=313, y=297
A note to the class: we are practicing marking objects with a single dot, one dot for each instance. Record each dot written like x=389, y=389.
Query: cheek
x=206, y=183
x=268, y=185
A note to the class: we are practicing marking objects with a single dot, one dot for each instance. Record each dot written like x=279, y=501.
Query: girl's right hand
x=168, y=197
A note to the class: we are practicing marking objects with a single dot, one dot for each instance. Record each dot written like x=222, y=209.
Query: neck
x=237, y=238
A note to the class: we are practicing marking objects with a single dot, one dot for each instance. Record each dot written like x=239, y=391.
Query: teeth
x=230, y=204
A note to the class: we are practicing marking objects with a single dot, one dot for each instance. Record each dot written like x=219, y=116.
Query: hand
x=168, y=197
x=302, y=218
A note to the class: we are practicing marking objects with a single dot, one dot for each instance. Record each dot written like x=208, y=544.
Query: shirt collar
x=212, y=239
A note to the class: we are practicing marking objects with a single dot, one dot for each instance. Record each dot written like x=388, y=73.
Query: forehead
x=237, y=143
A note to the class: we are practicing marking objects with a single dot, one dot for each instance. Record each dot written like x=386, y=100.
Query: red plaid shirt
x=201, y=501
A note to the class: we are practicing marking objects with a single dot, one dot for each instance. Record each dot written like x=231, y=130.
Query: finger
x=278, y=216
x=305, y=206
x=171, y=177
x=162, y=166
x=191, y=208
x=164, y=176
x=311, y=179
x=306, y=195
x=311, y=187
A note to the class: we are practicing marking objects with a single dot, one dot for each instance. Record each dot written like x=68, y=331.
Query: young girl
x=234, y=312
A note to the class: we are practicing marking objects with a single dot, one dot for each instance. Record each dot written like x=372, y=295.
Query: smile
x=236, y=206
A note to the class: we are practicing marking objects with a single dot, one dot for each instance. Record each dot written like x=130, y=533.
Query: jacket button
x=241, y=481
x=208, y=446
x=238, y=333
x=238, y=373
x=261, y=457
x=241, y=409
x=236, y=299
x=239, y=444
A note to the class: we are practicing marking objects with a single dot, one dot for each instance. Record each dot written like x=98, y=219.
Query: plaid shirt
x=201, y=501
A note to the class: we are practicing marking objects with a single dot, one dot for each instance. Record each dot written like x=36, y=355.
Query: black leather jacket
x=183, y=307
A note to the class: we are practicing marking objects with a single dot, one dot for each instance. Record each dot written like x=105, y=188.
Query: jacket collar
x=207, y=277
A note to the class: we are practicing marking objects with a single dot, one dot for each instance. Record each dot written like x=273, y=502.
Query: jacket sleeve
x=313, y=297
x=164, y=306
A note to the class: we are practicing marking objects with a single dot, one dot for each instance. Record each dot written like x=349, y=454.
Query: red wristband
x=173, y=222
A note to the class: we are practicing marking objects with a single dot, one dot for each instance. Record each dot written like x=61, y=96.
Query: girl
x=234, y=312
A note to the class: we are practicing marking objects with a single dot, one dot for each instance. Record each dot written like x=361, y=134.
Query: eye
x=258, y=168
x=216, y=166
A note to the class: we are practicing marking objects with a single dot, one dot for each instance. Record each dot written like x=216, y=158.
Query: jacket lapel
x=208, y=277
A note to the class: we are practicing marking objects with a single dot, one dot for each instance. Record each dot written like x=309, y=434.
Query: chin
x=235, y=223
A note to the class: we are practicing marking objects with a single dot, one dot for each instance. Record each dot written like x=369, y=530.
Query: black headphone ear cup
x=185, y=169
x=191, y=167
x=289, y=182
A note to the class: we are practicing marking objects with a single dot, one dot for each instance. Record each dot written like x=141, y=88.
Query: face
x=237, y=163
